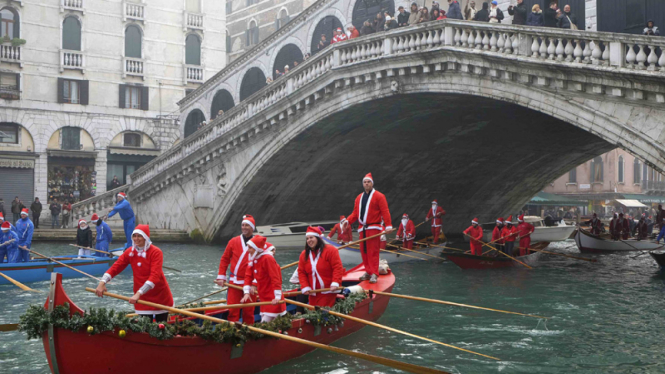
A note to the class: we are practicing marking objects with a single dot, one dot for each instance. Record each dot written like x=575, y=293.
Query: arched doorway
x=253, y=81
x=367, y=10
x=194, y=118
x=324, y=27
x=286, y=56
x=222, y=101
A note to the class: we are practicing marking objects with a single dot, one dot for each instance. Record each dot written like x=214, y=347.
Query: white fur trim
x=388, y=228
x=106, y=278
x=369, y=179
x=334, y=284
x=278, y=294
x=245, y=289
x=147, y=286
x=251, y=244
x=306, y=289
x=223, y=277
x=249, y=223
x=476, y=222
x=311, y=234
x=140, y=232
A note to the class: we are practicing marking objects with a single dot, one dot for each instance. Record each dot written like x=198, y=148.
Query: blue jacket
x=124, y=209
x=104, y=233
x=9, y=235
x=535, y=19
x=24, y=229
x=454, y=11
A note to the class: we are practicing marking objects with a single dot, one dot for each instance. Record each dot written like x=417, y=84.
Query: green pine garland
x=36, y=320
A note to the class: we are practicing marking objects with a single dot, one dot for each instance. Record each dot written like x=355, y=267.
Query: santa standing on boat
x=525, y=230
x=406, y=232
x=263, y=269
x=435, y=215
x=369, y=209
x=319, y=267
x=475, y=233
x=343, y=231
x=496, y=235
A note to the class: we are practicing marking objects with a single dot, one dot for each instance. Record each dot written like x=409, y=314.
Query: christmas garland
x=36, y=320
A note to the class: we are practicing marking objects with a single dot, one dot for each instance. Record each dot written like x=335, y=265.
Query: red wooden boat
x=78, y=352
x=469, y=261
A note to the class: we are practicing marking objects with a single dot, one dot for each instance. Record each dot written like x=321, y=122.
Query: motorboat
x=292, y=234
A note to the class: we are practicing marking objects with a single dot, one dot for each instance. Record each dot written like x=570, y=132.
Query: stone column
x=100, y=168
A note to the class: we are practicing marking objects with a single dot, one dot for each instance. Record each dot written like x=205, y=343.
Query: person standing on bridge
x=406, y=232
x=550, y=15
x=24, y=228
x=340, y=36
x=236, y=255
x=518, y=12
x=454, y=10
x=567, y=19
x=508, y=234
x=525, y=230
x=470, y=10
x=319, y=266
x=496, y=235
x=369, y=209
x=402, y=17
x=414, y=15
x=496, y=15
x=343, y=230
x=475, y=233
x=127, y=214
x=435, y=215
x=104, y=236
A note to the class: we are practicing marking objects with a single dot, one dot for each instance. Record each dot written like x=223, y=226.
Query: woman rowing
x=319, y=267
x=262, y=268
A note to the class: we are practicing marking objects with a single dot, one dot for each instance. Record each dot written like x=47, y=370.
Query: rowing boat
x=660, y=259
x=77, y=352
x=352, y=255
x=589, y=243
x=39, y=270
x=468, y=261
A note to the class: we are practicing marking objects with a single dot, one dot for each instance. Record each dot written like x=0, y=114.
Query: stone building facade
x=88, y=88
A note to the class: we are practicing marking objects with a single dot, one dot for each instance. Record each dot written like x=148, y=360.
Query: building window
x=645, y=173
x=282, y=19
x=193, y=50
x=252, y=34
x=621, y=169
x=597, y=170
x=229, y=46
x=637, y=172
x=572, y=176
x=229, y=7
x=193, y=6
x=71, y=34
x=134, y=97
x=71, y=138
x=10, y=24
x=73, y=91
x=8, y=133
x=133, y=40
x=10, y=87
x=132, y=140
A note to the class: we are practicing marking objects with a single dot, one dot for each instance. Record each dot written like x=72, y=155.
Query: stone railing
x=193, y=74
x=582, y=50
x=71, y=60
x=194, y=21
x=132, y=66
x=72, y=4
x=9, y=53
x=101, y=204
x=134, y=11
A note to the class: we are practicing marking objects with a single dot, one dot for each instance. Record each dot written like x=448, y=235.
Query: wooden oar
x=7, y=242
x=220, y=307
x=9, y=327
x=109, y=253
x=346, y=245
x=370, y=323
x=411, y=250
x=440, y=246
x=416, y=298
x=561, y=254
x=58, y=262
x=494, y=241
x=215, y=302
x=507, y=255
x=376, y=359
x=18, y=284
x=394, y=252
x=205, y=296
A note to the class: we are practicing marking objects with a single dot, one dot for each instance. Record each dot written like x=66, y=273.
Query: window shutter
x=84, y=87
x=256, y=36
x=121, y=97
x=145, y=98
x=61, y=90
x=229, y=45
x=18, y=82
x=17, y=29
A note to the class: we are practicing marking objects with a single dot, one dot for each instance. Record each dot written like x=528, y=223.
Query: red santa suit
x=496, y=233
x=476, y=236
x=343, y=230
x=525, y=230
x=509, y=233
x=318, y=270
x=263, y=269
x=341, y=36
x=406, y=231
x=236, y=255
x=368, y=210
x=596, y=226
x=149, y=279
x=621, y=228
x=435, y=214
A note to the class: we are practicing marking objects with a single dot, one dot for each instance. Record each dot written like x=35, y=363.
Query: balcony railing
x=10, y=92
x=654, y=186
x=72, y=60
x=194, y=21
x=193, y=74
x=71, y=5
x=100, y=204
x=132, y=66
x=134, y=11
x=9, y=53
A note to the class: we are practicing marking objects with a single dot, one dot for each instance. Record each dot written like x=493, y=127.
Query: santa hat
x=475, y=220
x=258, y=242
x=94, y=217
x=339, y=29
x=24, y=211
x=122, y=194
x=313, y=231
x=6, y=226
x=520, y=218
x=405, y=216
x=342, y=218
x=143, y=230
x=435, y=202
x=248, y=219
x=2, y=218
x=81, y=221
x=500, y=220
x=509, y=219
x=322, y=229
x=368, y=176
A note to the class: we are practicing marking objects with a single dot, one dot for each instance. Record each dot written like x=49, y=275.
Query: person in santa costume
x=406, y=232
x=263, y=269
x=319, y=267
x=435, y=215
x=2, y=220
x=10, y=250
x=370, y=208
x=339, y=36
x=104, y=236
x=343, y=230
x=236, y=255
x=496, y=235
x=24, y=229
x=127, y=214
x=475, y=233
x=84, y=238
x=596, y=225
x=525, y=230
x=149, y=281
x=509, y=233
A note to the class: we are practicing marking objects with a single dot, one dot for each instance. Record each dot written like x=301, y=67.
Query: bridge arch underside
x=478, y=156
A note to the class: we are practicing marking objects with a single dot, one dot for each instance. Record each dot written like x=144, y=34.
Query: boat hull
x=588, y=243
x=353, y=256
x=540, y=234
x=41, y=270
x=468, y=261
x=659, y=258
x=106, y=352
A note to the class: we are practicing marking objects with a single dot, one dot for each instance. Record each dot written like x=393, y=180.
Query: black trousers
x=35, y=220
x=162, y=317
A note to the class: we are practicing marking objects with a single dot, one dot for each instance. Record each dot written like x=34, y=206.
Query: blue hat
x=494, y=3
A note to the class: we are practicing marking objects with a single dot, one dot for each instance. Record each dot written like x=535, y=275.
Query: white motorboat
x=541, y=232
x=589, y=243
x=352, y=256
x=292, y=234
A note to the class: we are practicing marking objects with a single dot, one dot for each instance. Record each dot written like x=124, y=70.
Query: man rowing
x=127, y=214
x=595, y=225
x=475, y=233
x=24, y=229
x=103, y=236
x=406, y=232
x=496, y=235
x=509, y=233
x=435, y=215
x=369, y=209
x=9, y=250
x=263, y=269
x=525, y=230
x=2, y=220
x=319, y=267
x=343, y=230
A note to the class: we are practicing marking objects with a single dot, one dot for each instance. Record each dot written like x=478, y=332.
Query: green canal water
x=606, y=317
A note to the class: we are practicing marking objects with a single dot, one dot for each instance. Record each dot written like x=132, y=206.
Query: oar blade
x=18, y=284
x=9, y=327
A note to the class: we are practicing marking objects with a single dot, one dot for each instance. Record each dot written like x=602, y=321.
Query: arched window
x=253, y=81
x=252, y=34
x=289, y=55
x=9, y=133
x=10, y=24
x=621, y=170
x=597, y=170
x=323, y=32
x=193, y=50
x=637, y=172
x=282, y=19
x=222, y=101
x=194, y=119
x=71, y=34
x=133, y=40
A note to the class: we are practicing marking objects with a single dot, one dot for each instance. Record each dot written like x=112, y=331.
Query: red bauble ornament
x=161, y=326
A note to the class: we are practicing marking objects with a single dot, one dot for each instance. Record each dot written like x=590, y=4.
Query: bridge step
x=69, y=235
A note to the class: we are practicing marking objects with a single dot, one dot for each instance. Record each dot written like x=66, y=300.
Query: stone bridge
x=479, y=116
